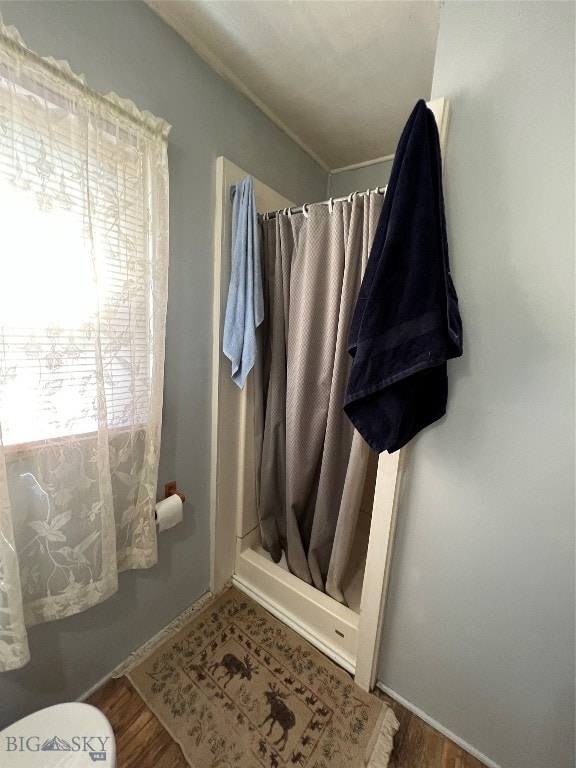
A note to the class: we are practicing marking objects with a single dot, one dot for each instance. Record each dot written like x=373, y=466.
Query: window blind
x=76, y=282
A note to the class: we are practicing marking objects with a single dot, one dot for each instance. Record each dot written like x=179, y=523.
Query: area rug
x=238, y=689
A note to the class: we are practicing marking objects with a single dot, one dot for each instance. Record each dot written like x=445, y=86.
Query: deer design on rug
x=279, y=713
x=233, y=667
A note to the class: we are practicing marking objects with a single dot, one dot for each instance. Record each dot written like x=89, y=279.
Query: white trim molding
x=365, y=164
x=437, y=726
x=167, y=13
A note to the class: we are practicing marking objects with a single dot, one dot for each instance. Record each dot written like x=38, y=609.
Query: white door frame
x=232, y=491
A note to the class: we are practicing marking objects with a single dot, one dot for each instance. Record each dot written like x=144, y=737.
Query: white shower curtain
x=83, y=290
x=313, y=462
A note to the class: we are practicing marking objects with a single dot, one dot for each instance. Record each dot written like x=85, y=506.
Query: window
x=83, y=292
x=55, y=222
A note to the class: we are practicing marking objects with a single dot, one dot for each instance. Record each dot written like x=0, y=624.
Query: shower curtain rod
x=330, y=203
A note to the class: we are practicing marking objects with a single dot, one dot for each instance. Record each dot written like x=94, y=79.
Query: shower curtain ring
x=331, y=205
x=305, y=211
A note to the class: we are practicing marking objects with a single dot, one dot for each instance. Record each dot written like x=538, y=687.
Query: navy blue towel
x=406, y=322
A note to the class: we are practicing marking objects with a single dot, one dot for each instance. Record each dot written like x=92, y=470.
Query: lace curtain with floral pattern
x=83, y=291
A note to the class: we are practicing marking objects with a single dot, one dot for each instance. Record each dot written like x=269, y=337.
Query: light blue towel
x=245, y=307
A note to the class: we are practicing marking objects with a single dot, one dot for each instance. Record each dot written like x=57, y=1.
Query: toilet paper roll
x=169, y=512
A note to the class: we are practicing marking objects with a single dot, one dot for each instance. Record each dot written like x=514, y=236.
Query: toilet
x=74, y=735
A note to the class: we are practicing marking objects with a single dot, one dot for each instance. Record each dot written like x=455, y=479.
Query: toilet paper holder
x=170, y=489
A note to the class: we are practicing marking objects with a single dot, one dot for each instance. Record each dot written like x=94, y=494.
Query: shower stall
x=349, y=632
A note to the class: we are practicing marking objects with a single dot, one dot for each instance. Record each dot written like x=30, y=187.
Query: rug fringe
x=384, y=741
x=138, y=656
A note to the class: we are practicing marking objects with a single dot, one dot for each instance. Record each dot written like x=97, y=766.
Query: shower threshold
x=324, y=622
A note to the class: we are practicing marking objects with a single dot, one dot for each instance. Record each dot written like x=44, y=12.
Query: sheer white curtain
x=83, y=291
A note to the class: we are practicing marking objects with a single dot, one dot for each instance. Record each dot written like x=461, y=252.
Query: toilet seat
x=73, y=735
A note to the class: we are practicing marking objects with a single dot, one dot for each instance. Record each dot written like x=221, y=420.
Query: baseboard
x=438, y=726
x=151, y=644
x=96, y=686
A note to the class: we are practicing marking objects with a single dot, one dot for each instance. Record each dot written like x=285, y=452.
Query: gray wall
x=123, y=46
x=480, y=628
x=359, y=179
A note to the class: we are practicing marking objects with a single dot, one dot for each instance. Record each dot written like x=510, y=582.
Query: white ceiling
x=338, y=76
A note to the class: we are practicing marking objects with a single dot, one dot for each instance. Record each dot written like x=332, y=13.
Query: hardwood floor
x=418, y=745
x=142, y=742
